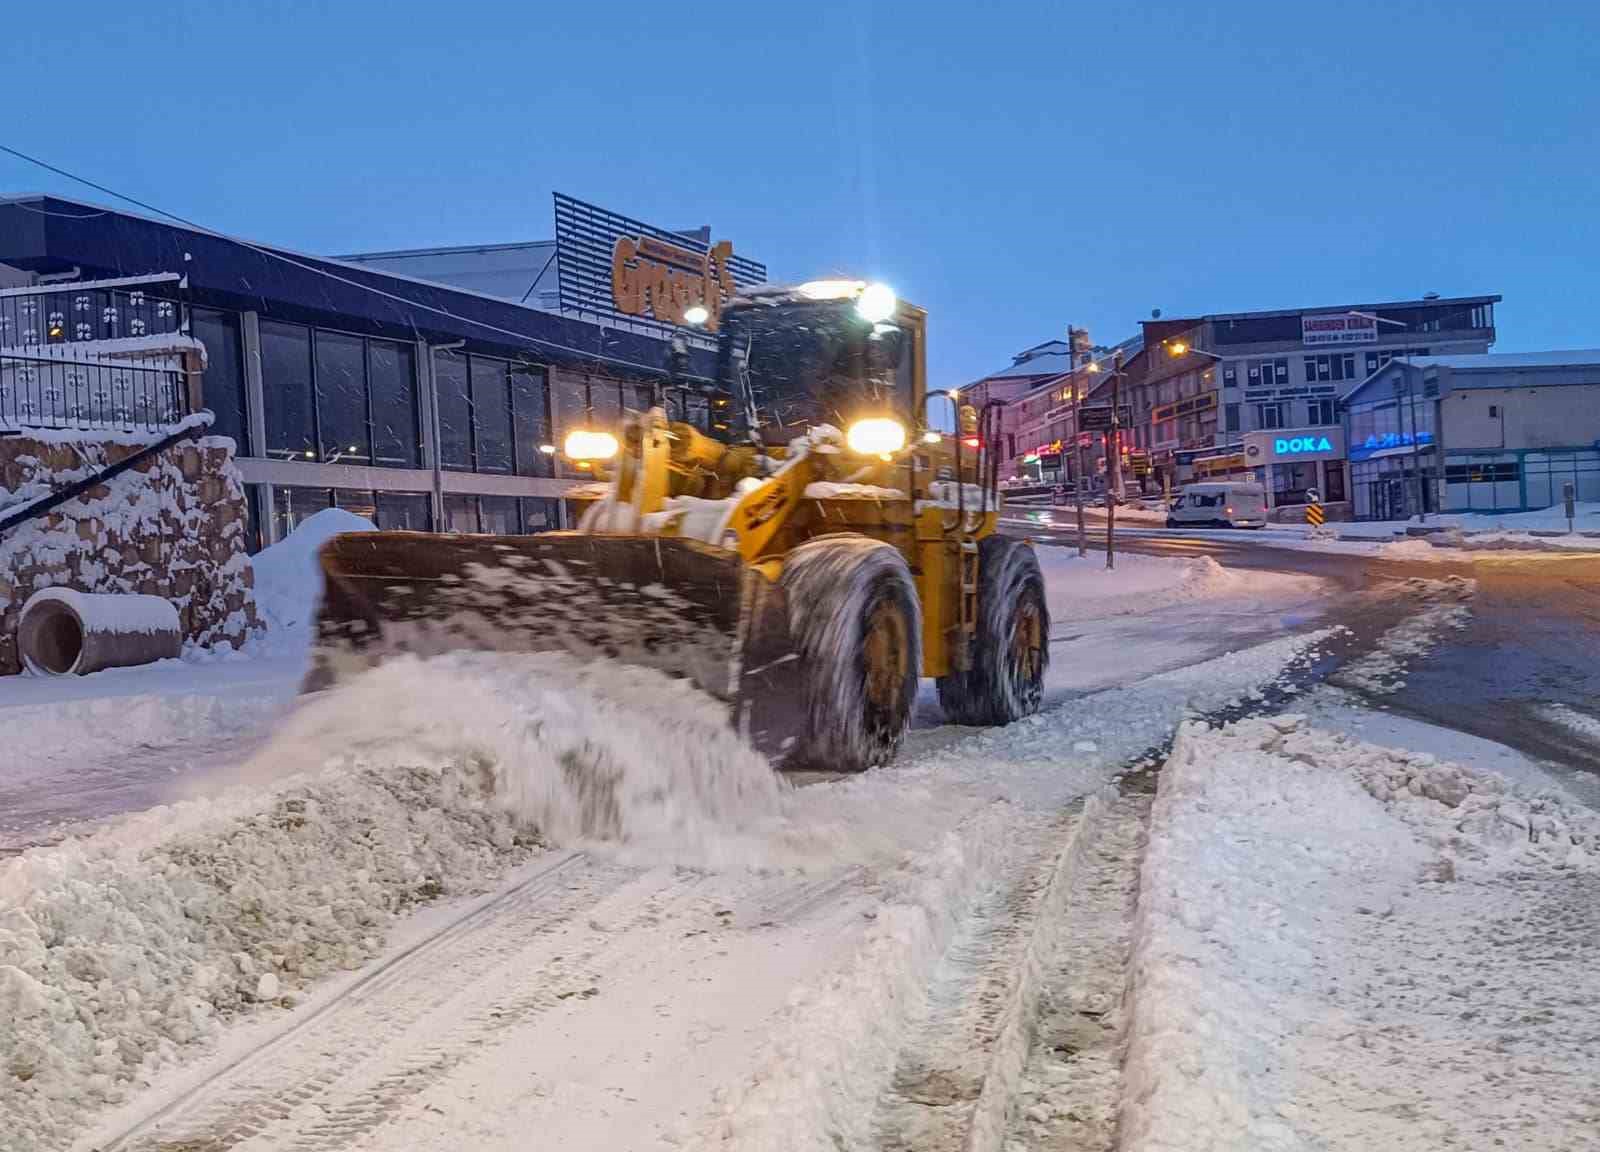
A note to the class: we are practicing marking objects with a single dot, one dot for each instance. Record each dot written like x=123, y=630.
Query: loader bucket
x=680, y=606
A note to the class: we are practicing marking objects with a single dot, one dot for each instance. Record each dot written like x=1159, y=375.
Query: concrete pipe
x=67, y=633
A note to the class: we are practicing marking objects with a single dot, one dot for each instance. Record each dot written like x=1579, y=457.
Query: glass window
x=530, y=421
x=357, y=501
x=223, y=383
x=540, y=515
x=461, y=513
x=408, y=511
x=1372, y=363
x=292, y=505
x=455, y=411
x=1231, y=417
x=392, y=379
x=286, y=390
x=342, y=398
x=498, y=515
x=491, y=415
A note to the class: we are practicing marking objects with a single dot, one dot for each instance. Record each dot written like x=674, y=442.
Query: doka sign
x=1301, y=445
x=1338, y=328
x=1289, y=446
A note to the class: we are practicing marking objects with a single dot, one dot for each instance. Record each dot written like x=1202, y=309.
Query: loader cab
x=803, y=361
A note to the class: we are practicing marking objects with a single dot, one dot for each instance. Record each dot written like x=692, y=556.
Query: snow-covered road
x=695, y=954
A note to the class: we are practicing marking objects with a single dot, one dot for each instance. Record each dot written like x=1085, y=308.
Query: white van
x=1230, y=505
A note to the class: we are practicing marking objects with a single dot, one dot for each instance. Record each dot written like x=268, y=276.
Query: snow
x=288, y=574
x=1446, y=606
x=420, y=778
x=829, y=490
x=111, y=612
x=1581, y=724
x=1082, y=587
x=1340, y=946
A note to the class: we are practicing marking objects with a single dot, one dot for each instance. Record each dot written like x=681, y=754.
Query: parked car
x=1229, y=505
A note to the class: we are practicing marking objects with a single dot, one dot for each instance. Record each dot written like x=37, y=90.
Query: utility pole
x=1113, y=460
x=1077, y=439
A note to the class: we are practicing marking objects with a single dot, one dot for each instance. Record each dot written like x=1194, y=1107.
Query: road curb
x=986, y=1128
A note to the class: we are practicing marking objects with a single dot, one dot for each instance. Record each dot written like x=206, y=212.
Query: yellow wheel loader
x=805, y=554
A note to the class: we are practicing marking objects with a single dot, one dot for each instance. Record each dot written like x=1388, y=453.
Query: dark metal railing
x=83, y=392
x=64, y=314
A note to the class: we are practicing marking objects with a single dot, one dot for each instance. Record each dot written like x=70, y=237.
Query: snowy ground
x=672, y=946
x=1342, y=946
x=1463, y=535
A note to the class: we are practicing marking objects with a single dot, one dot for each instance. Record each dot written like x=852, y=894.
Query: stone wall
x=172, y=526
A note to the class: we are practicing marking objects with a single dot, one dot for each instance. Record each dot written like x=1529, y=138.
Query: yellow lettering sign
x=650, y=277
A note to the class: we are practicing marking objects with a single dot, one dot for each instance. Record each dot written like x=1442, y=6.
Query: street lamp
x=1179, y=348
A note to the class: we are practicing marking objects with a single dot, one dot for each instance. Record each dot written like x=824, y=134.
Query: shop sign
x=1372, y=445
x=1338, y=328
x=1294, y=444
x=612, y=265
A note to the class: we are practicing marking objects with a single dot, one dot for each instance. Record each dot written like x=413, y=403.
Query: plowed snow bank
x=420, y=779
x=1344, y=947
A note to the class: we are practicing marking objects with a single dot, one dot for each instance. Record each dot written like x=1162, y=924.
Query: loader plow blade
x=682, y=607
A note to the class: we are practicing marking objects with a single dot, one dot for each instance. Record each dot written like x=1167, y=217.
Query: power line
x=600, y=357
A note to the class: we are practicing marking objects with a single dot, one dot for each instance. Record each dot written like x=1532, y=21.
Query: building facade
x=1474, y=433
x=364, y=384
x=1258, y=393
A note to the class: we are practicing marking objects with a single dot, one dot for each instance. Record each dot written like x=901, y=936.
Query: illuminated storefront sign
x=1301, y=445
x=1372, y=445
x=1293, y=444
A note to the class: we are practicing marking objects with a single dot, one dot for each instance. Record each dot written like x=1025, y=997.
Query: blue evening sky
x=1011, y=166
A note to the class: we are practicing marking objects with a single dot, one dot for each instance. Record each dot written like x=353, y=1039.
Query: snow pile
x=581, y=751
x=1315, y=968
x=1474, y=817
x=1446, y=606
x=118, y=951
x=416, y=780
x=1080, y=588
x=288, y=576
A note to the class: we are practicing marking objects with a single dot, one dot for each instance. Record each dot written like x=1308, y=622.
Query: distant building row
x=1381, y=409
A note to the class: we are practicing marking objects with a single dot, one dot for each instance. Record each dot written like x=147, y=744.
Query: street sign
x=1314, y=515
x=1098, y=417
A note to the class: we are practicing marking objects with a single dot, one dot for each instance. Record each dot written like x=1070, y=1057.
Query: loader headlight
x=876, y=303
x=877, y=436
x=585, y=444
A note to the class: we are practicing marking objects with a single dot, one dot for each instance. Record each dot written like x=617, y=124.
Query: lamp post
x=1180, y=348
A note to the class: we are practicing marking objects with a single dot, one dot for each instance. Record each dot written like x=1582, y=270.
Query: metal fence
x=83, y=392
x=45, y=315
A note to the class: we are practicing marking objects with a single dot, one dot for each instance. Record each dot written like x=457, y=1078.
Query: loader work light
x=876, y=303
x=876, y=436
x=585, y=444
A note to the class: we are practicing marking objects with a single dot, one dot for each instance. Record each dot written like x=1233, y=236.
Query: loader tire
x=857, y=628
x=1011, y=647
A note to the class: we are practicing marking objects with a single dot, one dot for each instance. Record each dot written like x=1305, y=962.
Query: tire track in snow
x=288, y=1069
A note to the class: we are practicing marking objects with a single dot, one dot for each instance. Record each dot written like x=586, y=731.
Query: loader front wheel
x=1011, y=647
x=857, y=626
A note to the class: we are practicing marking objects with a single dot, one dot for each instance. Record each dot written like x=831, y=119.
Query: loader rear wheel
x=1011, y=648
x=857, y=626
